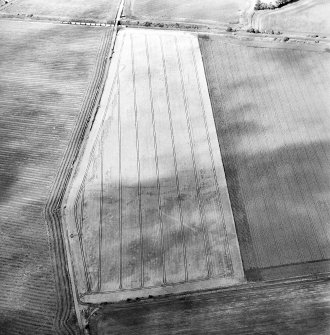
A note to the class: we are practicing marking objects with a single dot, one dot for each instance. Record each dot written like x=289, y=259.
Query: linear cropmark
x=147, y=210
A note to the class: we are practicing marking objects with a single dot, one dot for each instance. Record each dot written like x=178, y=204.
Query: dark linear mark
x=175, y=161
x=156, y=159
x=227, y=249
x=101, y=218
x=82, y=188
x=120, y=190
x=56, y=195
x=294, y=264
x=192, y=151
x=137, y=162
x=79, y=225
x=97, y=137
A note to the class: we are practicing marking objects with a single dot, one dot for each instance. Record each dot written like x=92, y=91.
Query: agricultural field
x=271, y=109
x=183, y=163
x=303, y=16
x=147, y=211
x=296, y=308
x=208, y=11
x=76, y=10
x=46, y=79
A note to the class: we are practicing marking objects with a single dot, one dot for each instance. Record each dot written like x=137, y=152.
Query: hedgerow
x=278, y=3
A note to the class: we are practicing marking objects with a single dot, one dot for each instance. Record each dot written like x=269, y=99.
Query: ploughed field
x=79, y=10
x=45, y=71
x=208, y=11
x=147, y=211
x=295, y=308
x=304, y=16
x=271, y=108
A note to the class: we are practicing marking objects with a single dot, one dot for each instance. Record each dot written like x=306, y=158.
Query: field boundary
x=64, y=286
x=267, y=41
x=160, y=314
x=64, y=323
x=238, y=37
x=52, y=214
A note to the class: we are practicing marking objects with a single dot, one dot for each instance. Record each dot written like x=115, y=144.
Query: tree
x=257, y=6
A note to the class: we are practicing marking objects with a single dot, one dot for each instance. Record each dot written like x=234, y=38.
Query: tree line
x=277, y=3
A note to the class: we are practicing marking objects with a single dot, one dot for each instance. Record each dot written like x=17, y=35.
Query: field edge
x=65, y=309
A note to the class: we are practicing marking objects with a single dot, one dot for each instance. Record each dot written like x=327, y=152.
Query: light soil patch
x=208, y=11
x=304, y=16
x=147, y=211
x=271, y=108
x=98, y=11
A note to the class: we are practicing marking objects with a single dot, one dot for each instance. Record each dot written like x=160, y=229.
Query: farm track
x=38, y=115
x=52, y=210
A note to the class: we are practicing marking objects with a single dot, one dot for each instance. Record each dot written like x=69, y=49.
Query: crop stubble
x=44, y=84
x=96, y=11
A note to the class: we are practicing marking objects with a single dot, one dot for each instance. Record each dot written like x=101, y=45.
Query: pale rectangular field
x=272, y=113
x=147, y=211
x=208, y=11
x=79, y=10
x=45, y=73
